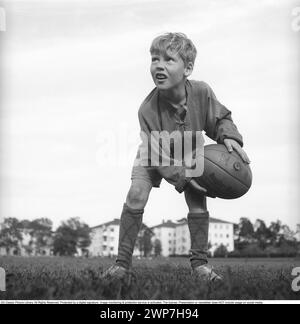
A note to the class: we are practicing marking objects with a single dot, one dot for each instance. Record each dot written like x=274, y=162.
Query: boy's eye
x=154, y=59
x=170, y=59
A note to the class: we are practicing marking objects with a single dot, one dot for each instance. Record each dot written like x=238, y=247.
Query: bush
x=253, y=251
x=285, y=250
x=221, y=252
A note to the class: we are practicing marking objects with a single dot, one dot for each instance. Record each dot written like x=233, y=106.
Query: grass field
x=158, y=279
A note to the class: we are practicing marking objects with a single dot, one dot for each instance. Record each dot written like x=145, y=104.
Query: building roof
x=216, y=220
x=168, y=224
x=211, y=220
x=116, y=222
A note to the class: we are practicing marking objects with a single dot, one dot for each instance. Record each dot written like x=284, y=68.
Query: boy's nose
x=159, y=67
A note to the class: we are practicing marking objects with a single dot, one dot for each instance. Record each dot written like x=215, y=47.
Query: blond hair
x=176, y=43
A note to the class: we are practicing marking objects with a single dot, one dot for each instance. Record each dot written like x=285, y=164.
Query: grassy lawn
x=158, y=279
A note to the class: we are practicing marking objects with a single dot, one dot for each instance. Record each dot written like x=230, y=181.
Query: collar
x=178, y=106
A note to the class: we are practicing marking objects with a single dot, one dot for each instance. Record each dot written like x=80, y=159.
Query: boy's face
x=168, y=70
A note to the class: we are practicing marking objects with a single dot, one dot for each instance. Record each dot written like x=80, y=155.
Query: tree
x=84, y=238
x=275, y=229
x=10, y=234
x=157, y=247
x=244, y=234
x=246, y=229
x=70, y=236
x=221, y=252
x=144, y=242
x=262, y=234
x=287, y=235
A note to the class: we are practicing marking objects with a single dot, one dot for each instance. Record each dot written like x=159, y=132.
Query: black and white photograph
x=149, y=153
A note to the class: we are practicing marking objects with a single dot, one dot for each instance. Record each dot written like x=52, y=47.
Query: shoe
x=115, y=272
x=206, y=273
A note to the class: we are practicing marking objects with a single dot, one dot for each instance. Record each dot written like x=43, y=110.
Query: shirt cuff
x=233, y=137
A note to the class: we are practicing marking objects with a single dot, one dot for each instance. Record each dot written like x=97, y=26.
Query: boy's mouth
x=160, y=76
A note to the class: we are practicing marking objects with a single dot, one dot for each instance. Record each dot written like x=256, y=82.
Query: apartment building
x=105, y=239
x=175, y=237
x=166, y=234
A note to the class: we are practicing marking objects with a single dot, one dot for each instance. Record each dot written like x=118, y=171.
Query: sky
x=74, y=73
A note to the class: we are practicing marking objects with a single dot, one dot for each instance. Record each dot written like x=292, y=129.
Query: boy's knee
x=196, y=203
x=137, y=196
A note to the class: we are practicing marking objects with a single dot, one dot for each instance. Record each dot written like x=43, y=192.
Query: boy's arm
x=219, y=123
x=220, y=126
x=175, y=175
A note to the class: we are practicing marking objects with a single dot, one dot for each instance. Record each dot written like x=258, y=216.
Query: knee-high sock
x=131, y=221
x=198, y=225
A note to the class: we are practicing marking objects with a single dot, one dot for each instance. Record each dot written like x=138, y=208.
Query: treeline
x=36, y=237
x=260, y=240
x=73, y=238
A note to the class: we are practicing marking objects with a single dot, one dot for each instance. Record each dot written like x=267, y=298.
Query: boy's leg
x=198, y=223
x=131, y=220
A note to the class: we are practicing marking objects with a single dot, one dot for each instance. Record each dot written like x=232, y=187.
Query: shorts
x=149, y=174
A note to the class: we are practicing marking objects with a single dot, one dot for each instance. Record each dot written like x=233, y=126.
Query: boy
x=175, y=104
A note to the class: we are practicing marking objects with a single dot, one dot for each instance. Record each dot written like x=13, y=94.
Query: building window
x=112, y=229
x=227, y=235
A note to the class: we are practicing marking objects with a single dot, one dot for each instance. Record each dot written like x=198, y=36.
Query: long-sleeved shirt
x=204, y=113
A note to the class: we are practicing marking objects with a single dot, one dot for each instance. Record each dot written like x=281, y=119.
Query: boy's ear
x=189, y=69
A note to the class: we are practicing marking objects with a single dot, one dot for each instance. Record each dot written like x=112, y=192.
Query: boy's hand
x=234, y=145
x=193, y=184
